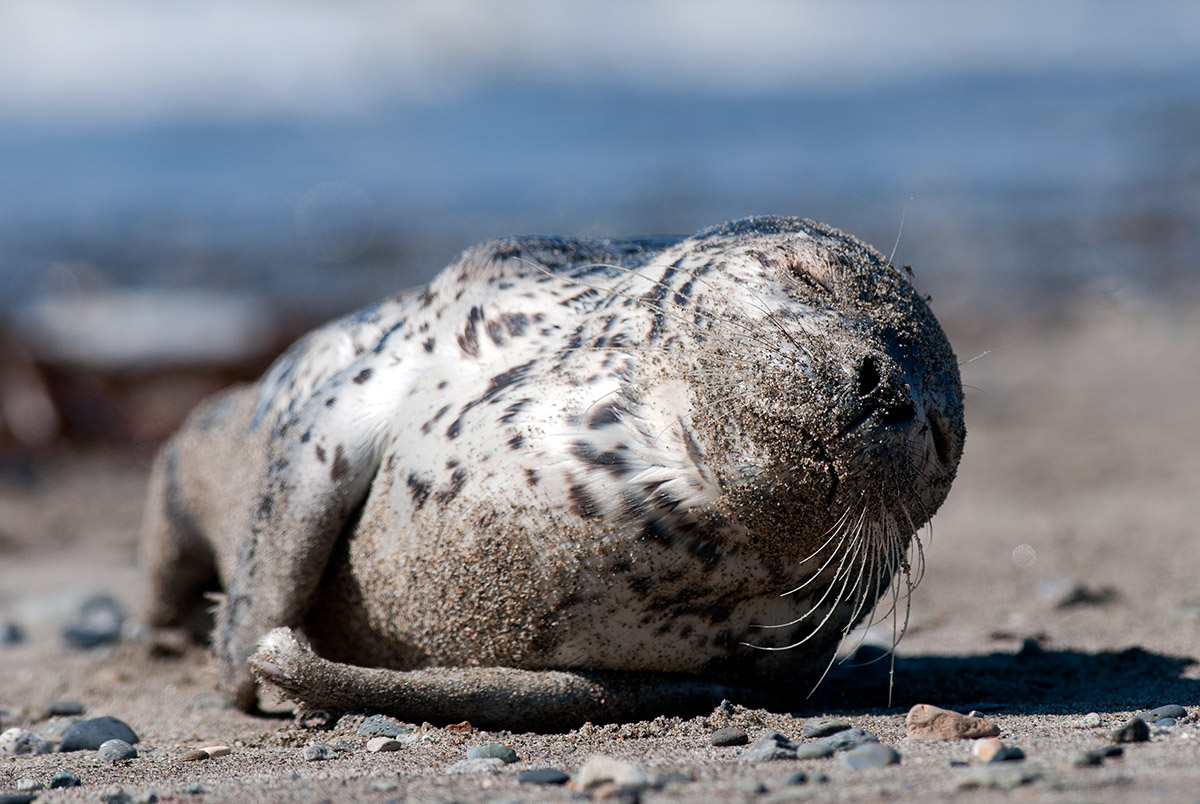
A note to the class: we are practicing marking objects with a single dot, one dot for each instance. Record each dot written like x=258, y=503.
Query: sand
x=1080, y=482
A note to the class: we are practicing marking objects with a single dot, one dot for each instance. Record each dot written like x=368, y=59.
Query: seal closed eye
x=569, y=480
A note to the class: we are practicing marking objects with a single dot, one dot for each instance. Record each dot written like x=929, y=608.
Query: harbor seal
x=568, y=480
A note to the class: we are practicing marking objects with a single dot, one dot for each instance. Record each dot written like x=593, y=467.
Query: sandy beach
x=1060, y=581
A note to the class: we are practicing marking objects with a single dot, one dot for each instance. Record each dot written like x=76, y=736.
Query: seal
x=568, y=480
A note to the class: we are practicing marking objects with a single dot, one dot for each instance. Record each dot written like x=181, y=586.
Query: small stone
x=378, y=745
x=461, y=728
x=380, y=726
x=17, y=798
x=88, y=735
x=730, y=736
x=146, y=798
x=195, y=755
x=543, y=776
x=492, y=751
x=799, y=777
x=1009, y=753
x=384, y=787
x=822, y=727
x=752, y=786
x=216, y=750
x=1135, y=730
x=481, y=765
x=1164, y=723
x=1172, y=711
x=836, y=742
x=115, y=796
x=1089, y=721
x=29, y=786
x=926, y=722
x=64, y=779
x=986, y=748
x=116, y=751
x=1006, y=775
x=10, y=634
x=600, y=770
x=99, y=623
x=1087, y=759
x=317, y=752
x=193, y=789
x=869, y=755
x=16, y=742
x=769, y=746
x=64, y=708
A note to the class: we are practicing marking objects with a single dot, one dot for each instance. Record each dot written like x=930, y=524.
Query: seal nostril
x=897, y=414
x=868, y=376
x=941, y=443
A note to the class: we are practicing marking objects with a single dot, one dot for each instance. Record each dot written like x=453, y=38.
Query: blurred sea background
x=191, y=184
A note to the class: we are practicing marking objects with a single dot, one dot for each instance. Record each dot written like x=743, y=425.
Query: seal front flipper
x=327, y=428
x=490, y=697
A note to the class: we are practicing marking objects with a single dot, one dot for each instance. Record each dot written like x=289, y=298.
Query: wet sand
x=1060, y=580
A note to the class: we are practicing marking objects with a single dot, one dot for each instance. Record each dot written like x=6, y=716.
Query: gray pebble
x=17, y=798
x=1089, y=721
x=814, y=750
x=64, y=779
x=489, y=765
x=1164, y=723
x=1004, y=776
x=381, y=726
x=10, y=634
x=1087, y=759
x=869, y=755
x=1174, y=711
x=543, y=776
x=752, y=786
x=822, y=727
x=1107, y=751
x=116, y=751
x=193, y=789
x=845, y=740
x=730, y=736
x=492, y=751
x=769, y=746
x=146, y=798
x=88, y=735
x=64, y=707
x=99, y=623
x=115, y=796
x=799, y=777
x=29, y=786
x=1135, y=730
x=18, y=741
x=317, y=752
x=1009, y=753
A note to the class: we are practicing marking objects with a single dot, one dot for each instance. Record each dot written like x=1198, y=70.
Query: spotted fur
x=703, y=456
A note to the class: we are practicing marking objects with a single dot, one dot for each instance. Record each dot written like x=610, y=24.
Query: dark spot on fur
x=614, y=461
x=633, y=506
x=516, y=442
x=320, y=452
x=331, y=401
x=495, y=331
x=516, y=323
x=604, y=415
x=512, y=411
x=513, y=376
x=453, y=488
x=531, y=477
x=583, y=504
x=430, y=344
x=455, y=428
x=427, y=297
x=419, y=489
x=340, y=465
x=468, y=339
x=441, y=386
x=362, y=376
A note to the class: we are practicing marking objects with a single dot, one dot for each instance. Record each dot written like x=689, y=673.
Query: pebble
x=10, y=634
x=492, y=751
x=1087, y=759
x=754, y=787
x=115, y=795
x=839, y=741
x=116, y=751
x=64, y=779
x=822, y=727
x=730, y=736
x=926, y=722
x=149, y=797
x=29, y=785
x=986, y=748
x=64, y=708
x=378, y=745
x=317, y=752
x=481, y=765
x=869, y=755
x=543, y=776
x=88, y=735
x=600, y=770
x=769, y=746
x=1009, y=753
x=381, y=726
x=1006, y=775
x=193, y=789
x=17, y=798
x=16, y=741
x=1172, y=711
x=195, y=755
x=216, y=750
x=1089, y=721
x=1135, y=730
x=99, y=623
x=1164, y=723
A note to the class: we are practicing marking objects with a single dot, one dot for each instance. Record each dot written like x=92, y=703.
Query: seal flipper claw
x=493, y=697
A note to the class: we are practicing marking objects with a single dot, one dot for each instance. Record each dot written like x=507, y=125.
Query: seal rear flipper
x=489, y=697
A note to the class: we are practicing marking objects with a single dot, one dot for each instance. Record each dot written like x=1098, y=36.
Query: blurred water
x=1014, y=184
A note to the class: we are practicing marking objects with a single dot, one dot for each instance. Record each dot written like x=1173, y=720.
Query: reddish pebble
x=926, y=722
